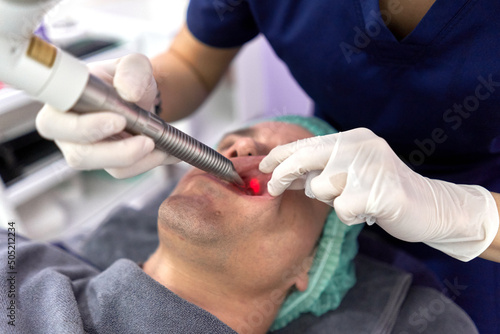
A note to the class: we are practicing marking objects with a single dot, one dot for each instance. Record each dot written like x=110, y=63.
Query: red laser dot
x=254, y=186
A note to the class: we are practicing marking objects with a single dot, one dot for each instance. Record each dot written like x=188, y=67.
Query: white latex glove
x=84, y=138
x=364, y=180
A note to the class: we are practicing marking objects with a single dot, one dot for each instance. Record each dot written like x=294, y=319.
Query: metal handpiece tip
x=235, y=178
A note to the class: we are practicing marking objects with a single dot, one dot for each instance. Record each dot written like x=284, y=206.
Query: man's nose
x=242, y=147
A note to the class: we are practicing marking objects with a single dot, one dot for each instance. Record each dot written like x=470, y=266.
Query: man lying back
x=228, y=259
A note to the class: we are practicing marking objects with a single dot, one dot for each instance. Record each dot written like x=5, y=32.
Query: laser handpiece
x=99, y=95
x=59, y=79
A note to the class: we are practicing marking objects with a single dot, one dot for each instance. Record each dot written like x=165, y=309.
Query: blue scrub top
x=434, y=96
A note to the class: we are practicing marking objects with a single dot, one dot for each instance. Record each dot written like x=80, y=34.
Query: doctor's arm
x=358, y=174
x=185, y=74
x=492, y=253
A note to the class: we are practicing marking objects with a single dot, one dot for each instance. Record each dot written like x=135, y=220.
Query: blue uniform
x=434, y=95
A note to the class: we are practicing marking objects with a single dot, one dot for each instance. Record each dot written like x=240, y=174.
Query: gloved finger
x=298, y=184
x=134, y=79
x=327, y=187
x=302, y=182
x=283, y=152
x=332, y=180
x=78, y=128
x=276, y=156
x=106, y=154
x=104, y=69
x=296, y=165
x=350, y=210
x=307, y=186
x=150, y=161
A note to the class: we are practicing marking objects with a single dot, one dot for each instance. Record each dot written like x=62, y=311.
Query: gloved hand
x=84, y=138
x=364, y=180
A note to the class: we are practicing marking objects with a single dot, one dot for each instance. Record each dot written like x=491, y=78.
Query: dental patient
x=228, y=260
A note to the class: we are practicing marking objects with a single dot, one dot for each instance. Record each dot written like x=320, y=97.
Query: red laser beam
x=254, y=186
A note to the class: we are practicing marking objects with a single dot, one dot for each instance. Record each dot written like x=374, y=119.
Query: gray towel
x=57, y=292
x=384, y=302
x=371, y=306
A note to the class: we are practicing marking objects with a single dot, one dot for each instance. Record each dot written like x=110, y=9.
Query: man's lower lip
x=223, y=183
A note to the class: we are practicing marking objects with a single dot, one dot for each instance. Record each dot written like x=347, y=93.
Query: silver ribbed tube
x=98, y=95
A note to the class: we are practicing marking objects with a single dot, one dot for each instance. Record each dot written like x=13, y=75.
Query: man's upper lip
x=247, y=164
x=248, y=168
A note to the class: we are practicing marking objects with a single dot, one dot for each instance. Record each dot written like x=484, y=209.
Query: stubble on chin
x=200, y=243
x=190, y=221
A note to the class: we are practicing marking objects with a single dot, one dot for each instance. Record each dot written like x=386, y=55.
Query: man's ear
x=302, y=277
x=302, y=281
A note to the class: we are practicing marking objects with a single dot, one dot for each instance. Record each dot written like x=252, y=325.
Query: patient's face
x=258, y=239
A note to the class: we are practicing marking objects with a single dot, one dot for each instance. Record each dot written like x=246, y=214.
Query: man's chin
x=191, y=220
x=204, y=242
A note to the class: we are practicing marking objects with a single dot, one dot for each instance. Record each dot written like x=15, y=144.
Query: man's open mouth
x=255, y=181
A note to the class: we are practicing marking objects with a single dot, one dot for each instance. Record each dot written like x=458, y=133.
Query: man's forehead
x=250, y=132
x=270, y=128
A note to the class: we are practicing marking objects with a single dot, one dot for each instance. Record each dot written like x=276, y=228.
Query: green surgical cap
x=332, y=273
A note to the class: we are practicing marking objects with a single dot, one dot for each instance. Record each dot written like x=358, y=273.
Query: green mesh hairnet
x=332, y=273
